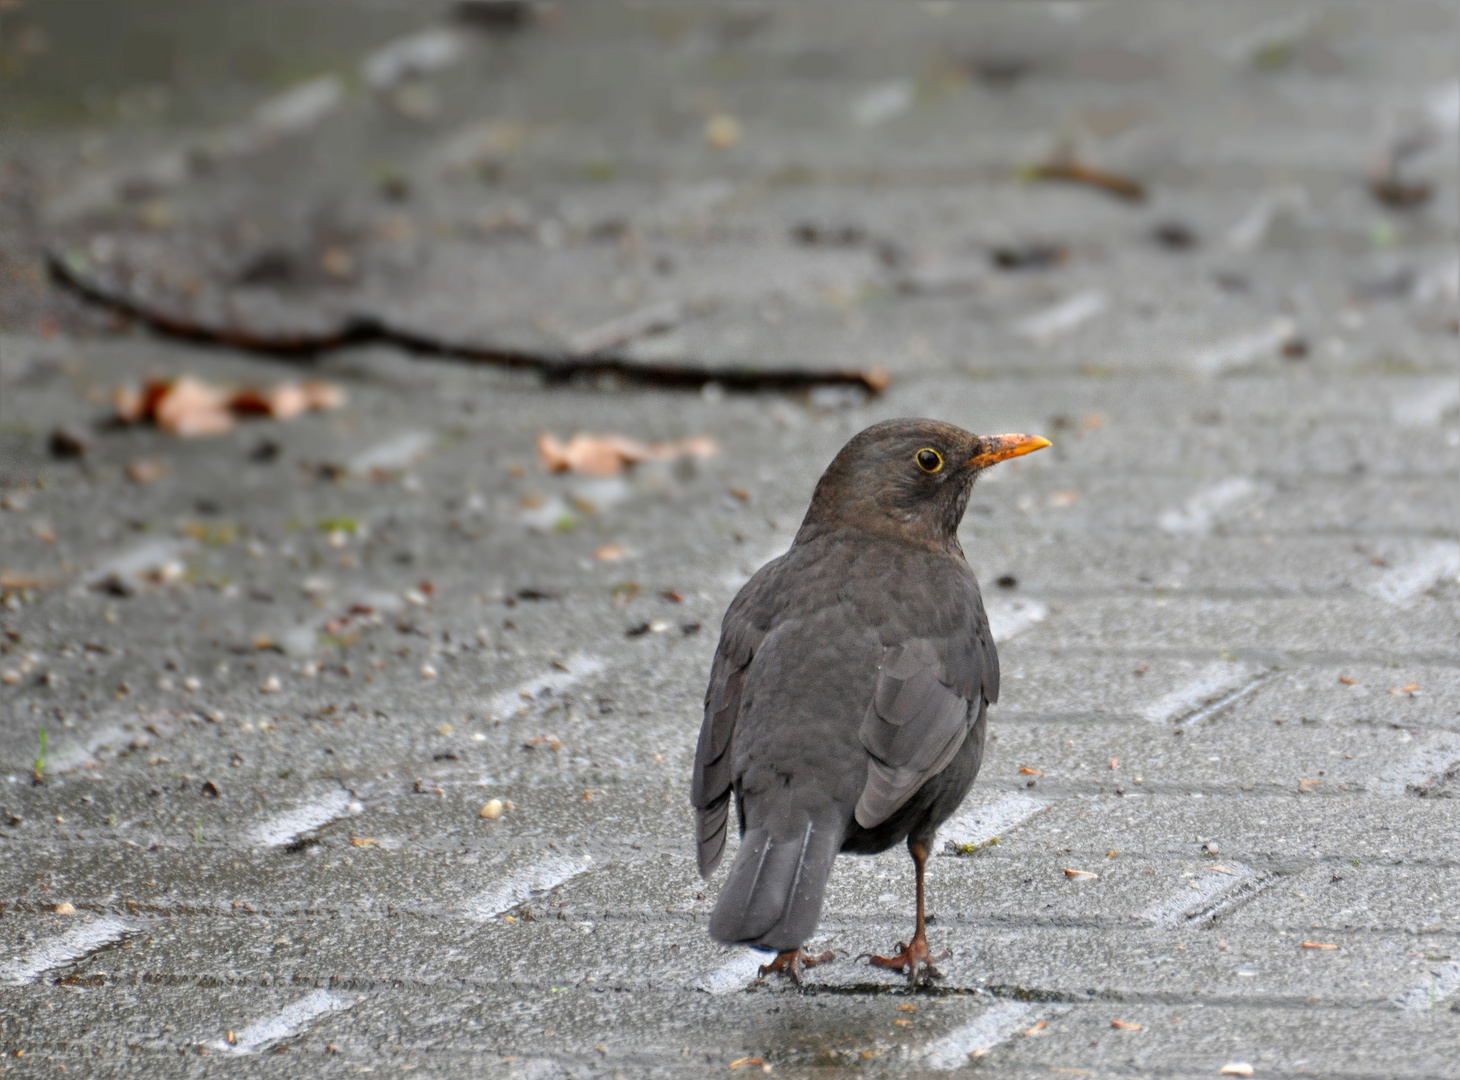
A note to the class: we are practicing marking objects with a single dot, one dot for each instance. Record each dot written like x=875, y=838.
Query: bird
x=849, y=691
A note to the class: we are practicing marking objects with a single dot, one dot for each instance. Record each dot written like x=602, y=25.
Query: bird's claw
x=790, y=963
x=913, y=958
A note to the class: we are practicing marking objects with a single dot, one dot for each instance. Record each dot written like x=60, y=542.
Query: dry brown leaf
x=1037, y=1028
x=907, y=1008
x=282, y=401
x=1407, y=688
x=606, y=455
x=746, y=1061
x=1027, y=771
x=1078, y=873
x=361, y=841
x=1125, y=1025
x=1317, y=945
x=1345, y=680
x=189, y=407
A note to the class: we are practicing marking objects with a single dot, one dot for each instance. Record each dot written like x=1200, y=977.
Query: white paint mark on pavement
x=1434, y=757
x=736, y=973
x=883, y=102
x=526, y=883
x=1214, y=687
x=1239, y=351
x=1425, y=404
x=575, y=669
x=1052, y=322
x=418, y=54
x=978, y=825
x=393, y=455
x=998, y=1023
x=1201, y=894
x=289, y=1020
x=1008, y=618
x=1404, y=581
x=1443, y=981
x=64, y=949
x=1208, y=506
x=286, y=827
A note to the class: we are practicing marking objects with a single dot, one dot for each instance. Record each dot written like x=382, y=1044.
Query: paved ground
x=279, y=683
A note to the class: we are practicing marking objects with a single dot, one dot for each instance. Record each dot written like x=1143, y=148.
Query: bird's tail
x=773, y=897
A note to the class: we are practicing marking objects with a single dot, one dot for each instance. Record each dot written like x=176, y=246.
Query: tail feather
x=776, y=886
x=710, y=833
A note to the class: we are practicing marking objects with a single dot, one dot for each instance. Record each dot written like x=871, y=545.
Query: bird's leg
x=913, y=957
x=791, y=961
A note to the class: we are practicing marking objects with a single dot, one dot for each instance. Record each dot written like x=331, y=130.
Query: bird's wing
x=927, y=696
x=740, y=636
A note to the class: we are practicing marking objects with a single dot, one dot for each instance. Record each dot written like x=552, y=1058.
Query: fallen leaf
x=1317, y=945
x=902, y=1023
x=1079, y=873
x=606, y=455
x=1124, y=1025
x=1345, y=680
x=282, y=401
x=1236, y=1068
x=1037, y=1028
x=361, y=841
x=746, y=1061
x=189, y=407
x=907, y=1008
x=1026, y=770
x=1112, y=853
x=145, y=470
x=1408, y=688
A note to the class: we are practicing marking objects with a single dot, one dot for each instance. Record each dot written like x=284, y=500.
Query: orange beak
x=999, y=447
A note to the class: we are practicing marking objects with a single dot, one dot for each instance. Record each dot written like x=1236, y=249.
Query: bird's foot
x=790, y=963
x=913, y=958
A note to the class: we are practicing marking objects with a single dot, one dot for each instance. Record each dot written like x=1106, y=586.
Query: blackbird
x=847, y=699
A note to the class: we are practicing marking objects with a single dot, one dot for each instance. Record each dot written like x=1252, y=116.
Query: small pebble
x=492, y=810
x=271, y=685
x=65, y=909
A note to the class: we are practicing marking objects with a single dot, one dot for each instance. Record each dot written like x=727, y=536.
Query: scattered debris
x=68, y=441
x=1032, y=256
x=606, y=455
x=722, y=131
x=188, y=406
x=1124, y=1025
x=1079, y=873
x=1175, y=236
x=145, y=470
x=1072, y=171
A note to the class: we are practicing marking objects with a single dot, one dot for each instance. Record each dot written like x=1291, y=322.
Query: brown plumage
x=847, y=700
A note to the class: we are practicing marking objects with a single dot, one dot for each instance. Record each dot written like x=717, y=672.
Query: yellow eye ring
x=928, y=459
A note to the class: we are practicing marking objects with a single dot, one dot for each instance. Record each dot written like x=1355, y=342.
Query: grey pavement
x=1218, y=826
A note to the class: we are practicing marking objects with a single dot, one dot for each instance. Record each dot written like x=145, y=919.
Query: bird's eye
x=928, y=460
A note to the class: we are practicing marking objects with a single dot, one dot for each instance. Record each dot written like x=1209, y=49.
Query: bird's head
x=911, y=477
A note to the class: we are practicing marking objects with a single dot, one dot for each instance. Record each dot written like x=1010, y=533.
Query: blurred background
x=394, y=394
